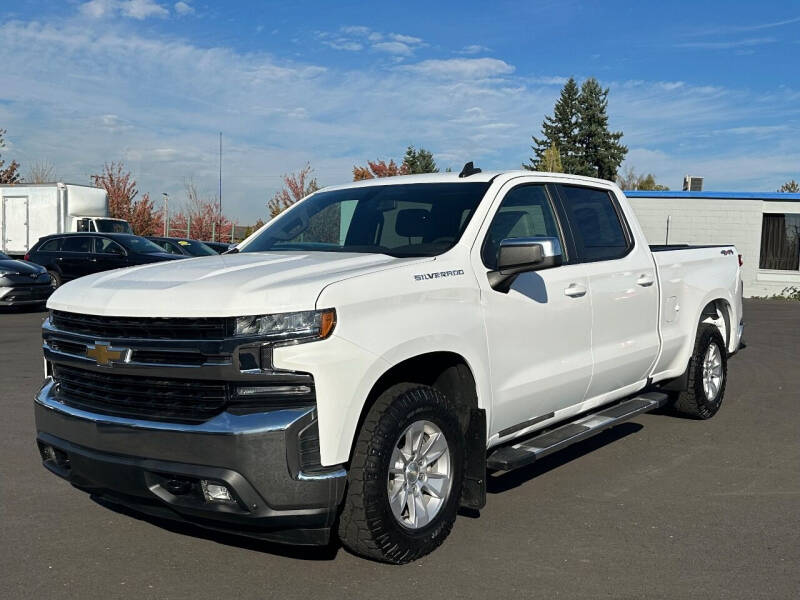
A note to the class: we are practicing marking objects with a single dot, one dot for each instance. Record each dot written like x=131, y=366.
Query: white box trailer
x=30, y=211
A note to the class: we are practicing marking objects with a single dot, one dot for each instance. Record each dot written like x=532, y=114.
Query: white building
x=764, y=227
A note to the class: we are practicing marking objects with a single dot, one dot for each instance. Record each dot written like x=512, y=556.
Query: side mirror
x=520, y=255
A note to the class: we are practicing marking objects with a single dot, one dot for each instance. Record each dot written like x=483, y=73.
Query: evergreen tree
x=419, y=161
x=560, y=130
x=600, y=151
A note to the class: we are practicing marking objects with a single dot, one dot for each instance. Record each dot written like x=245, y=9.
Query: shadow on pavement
x=498, y=482
x=312, y=553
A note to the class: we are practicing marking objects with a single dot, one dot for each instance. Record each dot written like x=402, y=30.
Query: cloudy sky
x=708, y=88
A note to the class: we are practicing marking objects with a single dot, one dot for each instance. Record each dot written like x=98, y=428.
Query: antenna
x=469, y=169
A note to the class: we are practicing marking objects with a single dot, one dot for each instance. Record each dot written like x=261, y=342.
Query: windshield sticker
x=184, y=243
x=424, y=276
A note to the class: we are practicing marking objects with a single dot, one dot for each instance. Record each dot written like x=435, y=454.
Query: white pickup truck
x=358, y=364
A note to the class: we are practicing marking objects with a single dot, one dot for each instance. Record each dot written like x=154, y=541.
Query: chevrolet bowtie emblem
x=104, y=354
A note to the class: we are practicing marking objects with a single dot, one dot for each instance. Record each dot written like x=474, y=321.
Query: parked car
x=219, y=247
x=22, y=282
x=72, y=255
x=359, y=379
x=183, y=246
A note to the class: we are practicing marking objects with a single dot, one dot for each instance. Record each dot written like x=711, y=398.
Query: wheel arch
x=447, y=371
x=719, y=313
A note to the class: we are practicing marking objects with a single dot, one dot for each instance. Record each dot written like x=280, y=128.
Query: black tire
x=693, y=401
x=367, y=525
x=55, y=279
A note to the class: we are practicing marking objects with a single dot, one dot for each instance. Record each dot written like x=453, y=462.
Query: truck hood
x=217, y=286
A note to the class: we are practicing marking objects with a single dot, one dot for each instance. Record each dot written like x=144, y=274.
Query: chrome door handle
x=645, y=280
x=575, y=290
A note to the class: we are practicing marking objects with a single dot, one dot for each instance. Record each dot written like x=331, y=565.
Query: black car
x=183, y=246
x=22, y=282
x=68, y=256
x=219, y=247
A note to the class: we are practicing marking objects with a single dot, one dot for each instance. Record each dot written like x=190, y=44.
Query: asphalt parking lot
x=660, y=507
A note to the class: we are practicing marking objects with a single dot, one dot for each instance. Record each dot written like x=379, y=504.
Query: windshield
x=422, y=219
x=113, y=226
x=139, y=245
x=196, y=248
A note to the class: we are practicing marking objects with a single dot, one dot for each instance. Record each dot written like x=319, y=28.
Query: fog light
x=215, y=492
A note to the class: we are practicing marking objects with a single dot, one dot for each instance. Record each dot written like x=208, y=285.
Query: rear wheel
x=708, y=372
x=404, y=484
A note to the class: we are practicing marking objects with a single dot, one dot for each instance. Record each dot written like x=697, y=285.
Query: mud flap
x=473, y=493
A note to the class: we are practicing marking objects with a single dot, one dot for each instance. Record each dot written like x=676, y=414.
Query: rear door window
x=77, y=243
x=596, y=223
x=107, y=246
x=50, y=245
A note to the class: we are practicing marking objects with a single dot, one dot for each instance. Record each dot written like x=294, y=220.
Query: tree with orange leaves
x=296, y=187
x=414, y=162
x=122, y=204
x=379, y=168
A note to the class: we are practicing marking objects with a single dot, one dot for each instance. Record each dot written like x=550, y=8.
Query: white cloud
x=474, y=49
x=97, y=9
x=727, y=44
x=343, y=44
x=357, y=37
x=183, y=9
x=142, y=9
x=135, y=9
x=406, y=39
x=393, y=48
x=462, y=68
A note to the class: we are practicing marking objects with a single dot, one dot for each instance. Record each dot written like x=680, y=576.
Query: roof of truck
x=453, y=177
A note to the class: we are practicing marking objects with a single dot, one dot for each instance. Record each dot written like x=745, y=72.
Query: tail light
x=741, y=262
x=27, y=256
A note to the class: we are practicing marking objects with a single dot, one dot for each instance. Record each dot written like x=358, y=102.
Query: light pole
x=166, y=212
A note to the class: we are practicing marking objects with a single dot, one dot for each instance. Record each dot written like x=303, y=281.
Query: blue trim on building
x=784, y=197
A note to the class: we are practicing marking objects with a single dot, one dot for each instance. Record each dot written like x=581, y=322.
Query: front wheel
x=708, y=372
x=404, y=484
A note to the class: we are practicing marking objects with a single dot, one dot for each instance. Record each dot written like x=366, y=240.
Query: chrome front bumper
x=137, y=462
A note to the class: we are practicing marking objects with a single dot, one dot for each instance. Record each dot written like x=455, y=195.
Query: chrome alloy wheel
x=419, y=477
x=712, y=372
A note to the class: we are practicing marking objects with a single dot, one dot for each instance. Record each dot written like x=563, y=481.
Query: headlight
x=296, y=326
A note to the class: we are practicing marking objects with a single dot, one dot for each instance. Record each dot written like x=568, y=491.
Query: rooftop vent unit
x=692, y=184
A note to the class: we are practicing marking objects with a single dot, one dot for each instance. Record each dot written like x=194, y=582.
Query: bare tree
x=10, y=173
x=42, y=171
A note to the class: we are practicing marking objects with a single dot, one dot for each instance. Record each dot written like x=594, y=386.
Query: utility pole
x=166, y=212
x=219, y=217
x=220, y=172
